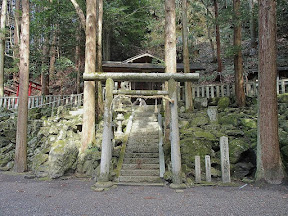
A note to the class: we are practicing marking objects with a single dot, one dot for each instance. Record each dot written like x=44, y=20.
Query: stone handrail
x=43, y=101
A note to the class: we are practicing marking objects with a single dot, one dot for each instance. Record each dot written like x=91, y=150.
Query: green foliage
x=126, y=21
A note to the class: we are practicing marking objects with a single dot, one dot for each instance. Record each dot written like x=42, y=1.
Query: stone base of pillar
x=178, y=186
x=102, y=185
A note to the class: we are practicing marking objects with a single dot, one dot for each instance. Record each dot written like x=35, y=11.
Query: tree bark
x=21, y=135
x=269, y=165
x=2, y=45
x=170, y=55
x=17, y=25
x=77, y=59
x=238, y=60
x=80, y=14
x=88, y=134
x=16, y=34
x=107, y=44
x=252, y=25
x=44, y=72
x=170, y=67
x=188, y=85
x=99, y=55
x=218, y=43
x=52, y=56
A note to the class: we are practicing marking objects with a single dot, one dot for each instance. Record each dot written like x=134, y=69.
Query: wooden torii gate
x=172, y=79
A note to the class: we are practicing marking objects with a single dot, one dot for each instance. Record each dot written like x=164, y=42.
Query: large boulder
x=200, y=103
x=223, y=103
x=191, y=147
x=283, y=98
x=236, y=148
x=88, y=162
x=62, y=158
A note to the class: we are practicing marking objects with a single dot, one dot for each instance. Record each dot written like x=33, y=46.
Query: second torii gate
x=172, y=79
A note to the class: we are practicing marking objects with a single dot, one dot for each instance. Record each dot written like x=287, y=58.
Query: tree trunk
x=88, y=134
x=44, y=72
x=16, y=34
x=170, y=55
x=214, y=58
x=188, y=85
x=107, y=44
x=269, y=165
x=170, y=67
x=252, y=25
x=218, y=43
x=80, y=14
x=2, y=45
x=21, y=135
x=238, y=60
x=52, y=56
x=17, y=26
x=99, y=55
x=77, y=59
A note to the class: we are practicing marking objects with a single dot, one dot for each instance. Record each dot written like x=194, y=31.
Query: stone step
x=146, y=118
x=140, y=172
x=154, y=179
x=143, y=140
x=141, y=161
x=151, y=184
x=144, y=136
x=142, y=150
x=142, y=155
x=144, y=132
x=144, y=124
x=143, y=166
x=142, y=144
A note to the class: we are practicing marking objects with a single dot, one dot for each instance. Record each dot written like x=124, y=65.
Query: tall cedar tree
x=269, y=165
x=218, y=43
x=188, y=86
x=170, y=67
x=238, y=60
x=2, y=45
x=21, y=135
x=88, y=134
x=99, y=55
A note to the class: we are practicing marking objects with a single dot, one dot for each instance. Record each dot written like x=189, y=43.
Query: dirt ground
x=21, y=196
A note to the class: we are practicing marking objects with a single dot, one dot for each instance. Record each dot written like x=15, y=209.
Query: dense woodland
x=129, y=28
x=223, y=35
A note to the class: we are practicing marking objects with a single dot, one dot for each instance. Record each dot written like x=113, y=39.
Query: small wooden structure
x=144, y=63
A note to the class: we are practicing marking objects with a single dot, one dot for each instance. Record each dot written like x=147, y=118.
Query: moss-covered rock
x=200, y=120
x=200, y=103
x=223, y=103
x=205, y=135
x=62, y=158
x=191, y=147
x=249, y=123
x=236, y=148
x=228, y=119
x=283, y=98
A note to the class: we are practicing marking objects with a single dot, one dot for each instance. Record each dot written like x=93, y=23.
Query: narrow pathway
x=141, y=161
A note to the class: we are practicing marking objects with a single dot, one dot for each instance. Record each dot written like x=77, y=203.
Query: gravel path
x=20, y=196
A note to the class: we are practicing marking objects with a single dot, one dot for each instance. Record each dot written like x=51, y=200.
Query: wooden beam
x=140, y=92
x=142, y=77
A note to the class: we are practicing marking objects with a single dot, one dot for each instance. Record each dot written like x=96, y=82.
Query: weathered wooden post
x=208, y=168
x=225, y=163
x=106, y=152
x=174, y=133
x=197, y=169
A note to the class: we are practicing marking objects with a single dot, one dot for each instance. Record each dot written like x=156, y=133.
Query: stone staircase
x=141, y=160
